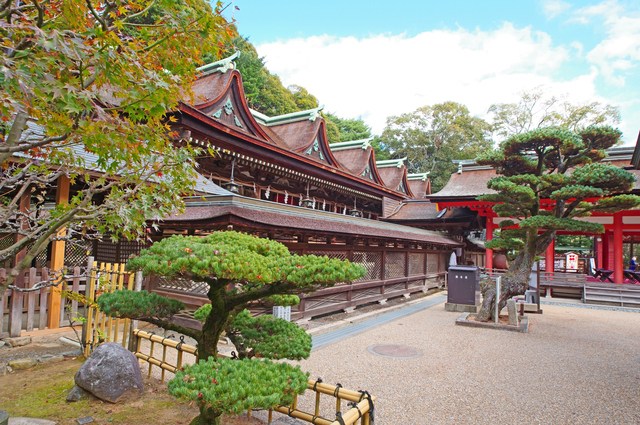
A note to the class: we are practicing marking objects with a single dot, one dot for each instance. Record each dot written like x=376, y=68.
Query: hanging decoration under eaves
x=284, y=171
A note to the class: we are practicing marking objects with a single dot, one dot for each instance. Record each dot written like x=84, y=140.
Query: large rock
x=18, y=341
x=111, y=373
x=21, y=364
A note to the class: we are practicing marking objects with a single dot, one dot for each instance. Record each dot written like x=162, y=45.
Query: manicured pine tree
x=549, y=179
x=239, y=269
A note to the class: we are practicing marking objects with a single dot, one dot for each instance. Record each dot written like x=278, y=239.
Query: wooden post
x=490, y=225
x=57, y=257
x=618, y=263
x=17, y=297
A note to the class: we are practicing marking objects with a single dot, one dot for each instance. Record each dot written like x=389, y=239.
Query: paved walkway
x=575, y=366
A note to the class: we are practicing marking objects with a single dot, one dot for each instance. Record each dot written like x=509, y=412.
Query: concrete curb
x=523, y=327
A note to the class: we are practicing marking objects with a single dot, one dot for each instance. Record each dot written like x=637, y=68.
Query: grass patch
x=41, y=392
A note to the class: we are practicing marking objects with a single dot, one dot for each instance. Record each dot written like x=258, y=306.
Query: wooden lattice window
x=372, y=261
x=76, y=253
x=340, y=255
x=394, y=264
x=183, y=285
x=416, y=263
x=106, y=252
x=445, y=257
x=432, y=263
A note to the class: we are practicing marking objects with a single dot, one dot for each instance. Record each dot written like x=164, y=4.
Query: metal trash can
x=463, y=285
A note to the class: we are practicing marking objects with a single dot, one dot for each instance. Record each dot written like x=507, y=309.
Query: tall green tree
x=432, y=136
x=537, y=109
x=349, y=129
x=87, y=84
x=560, y=166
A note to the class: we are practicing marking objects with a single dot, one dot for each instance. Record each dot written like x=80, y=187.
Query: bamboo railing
x=99, y=327
x=360, y=404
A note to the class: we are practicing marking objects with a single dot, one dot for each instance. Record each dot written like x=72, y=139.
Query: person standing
x=632, y=264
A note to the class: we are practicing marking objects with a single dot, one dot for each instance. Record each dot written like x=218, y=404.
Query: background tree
x=536, y=109
x=348, y=129
x=86, y=85
x=535, y=166
x=254, y=268
x=431, y=136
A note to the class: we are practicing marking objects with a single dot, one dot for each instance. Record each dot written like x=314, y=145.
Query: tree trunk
x=516, y=280
x=214, y=325
x=207, y=416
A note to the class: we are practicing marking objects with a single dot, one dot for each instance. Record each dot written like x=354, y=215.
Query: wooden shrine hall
x=279, y=178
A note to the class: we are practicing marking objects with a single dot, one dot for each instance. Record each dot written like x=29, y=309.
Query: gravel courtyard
x=575, y=366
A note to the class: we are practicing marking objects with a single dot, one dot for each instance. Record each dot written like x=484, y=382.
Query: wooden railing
x=360, y=404
x=28, y=311
x=390, y=272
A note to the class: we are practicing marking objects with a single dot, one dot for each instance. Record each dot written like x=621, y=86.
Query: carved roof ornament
x=221, y=66
x=316, y=148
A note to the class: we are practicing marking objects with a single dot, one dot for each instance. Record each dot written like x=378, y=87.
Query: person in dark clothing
x=632, y=264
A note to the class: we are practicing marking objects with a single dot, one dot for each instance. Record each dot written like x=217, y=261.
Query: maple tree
x=86, y=86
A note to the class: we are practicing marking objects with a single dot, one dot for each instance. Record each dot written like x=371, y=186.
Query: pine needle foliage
x=233, y=386
x=137, y=305
x=268, y=337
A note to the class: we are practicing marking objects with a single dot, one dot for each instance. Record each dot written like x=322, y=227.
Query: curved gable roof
x=220, y=96
x=394, y=175
x=357, y=157
x=306, y=136
x=419, y=184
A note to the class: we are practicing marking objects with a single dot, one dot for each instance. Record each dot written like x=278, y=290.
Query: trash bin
x=464, y=285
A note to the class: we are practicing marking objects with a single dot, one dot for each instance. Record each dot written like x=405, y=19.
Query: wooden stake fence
x=360, y=403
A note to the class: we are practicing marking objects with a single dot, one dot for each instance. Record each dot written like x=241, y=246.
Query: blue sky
x=379, y=58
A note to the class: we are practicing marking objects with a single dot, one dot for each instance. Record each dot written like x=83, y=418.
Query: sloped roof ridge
x=220, y=66
x=309, y=114
x=391, y=163
x=351, y=144
x=417, y=176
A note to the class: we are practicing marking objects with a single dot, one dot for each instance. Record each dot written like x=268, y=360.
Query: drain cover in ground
x=394, y=351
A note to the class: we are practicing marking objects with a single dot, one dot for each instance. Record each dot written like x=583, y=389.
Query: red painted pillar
x=599, y=251
x=549, y=256
x=618, y=265
x=490, y=225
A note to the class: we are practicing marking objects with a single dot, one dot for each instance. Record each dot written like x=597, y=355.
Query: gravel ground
x=575, y=366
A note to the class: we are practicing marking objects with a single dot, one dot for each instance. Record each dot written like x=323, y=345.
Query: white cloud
x=384, y=75
x=553, y=8
x=620, y=49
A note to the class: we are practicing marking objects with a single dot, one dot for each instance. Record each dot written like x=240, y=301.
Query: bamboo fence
x=360, y=404
x=99, y=327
